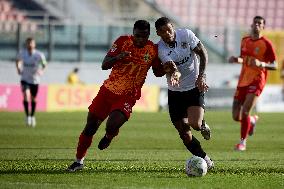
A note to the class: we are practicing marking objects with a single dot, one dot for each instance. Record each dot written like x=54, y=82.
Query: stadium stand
x=221, y=22
x=63, y=28
x=207, y=13
x=10, y=17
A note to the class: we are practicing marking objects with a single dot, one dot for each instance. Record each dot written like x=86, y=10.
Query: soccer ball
x=196, y=166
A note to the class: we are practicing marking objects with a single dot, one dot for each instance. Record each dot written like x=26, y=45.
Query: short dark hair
x=260, y=18
x=142, y=25
x=29, y=39
x=76, y=70
x=161, y=22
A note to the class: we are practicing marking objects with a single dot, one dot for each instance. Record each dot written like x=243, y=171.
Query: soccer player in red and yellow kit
x=257, y=56
x=130, y=58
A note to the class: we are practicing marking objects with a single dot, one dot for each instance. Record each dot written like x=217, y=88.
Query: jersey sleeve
x=116, y=47
x=43, y=59
x=192, y=39
x=242, y=52
x=270, y=55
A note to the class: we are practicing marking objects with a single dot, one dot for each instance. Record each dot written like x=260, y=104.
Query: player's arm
x=158, y=68
x=19, y=64
x=171, y=69
x=110, y=61
x=203, y=57
x=43, y=64
x=234, y=59
x=265, y=65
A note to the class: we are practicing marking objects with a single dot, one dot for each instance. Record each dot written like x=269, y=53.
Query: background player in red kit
x=257, y=56
x=130, y=58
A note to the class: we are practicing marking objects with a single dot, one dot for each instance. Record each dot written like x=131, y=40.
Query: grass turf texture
x=147, y=153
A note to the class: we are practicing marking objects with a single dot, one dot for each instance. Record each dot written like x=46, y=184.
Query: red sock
x=245, y=126
x=83, y=145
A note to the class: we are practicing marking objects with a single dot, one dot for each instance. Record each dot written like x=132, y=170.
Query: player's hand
x=170, y=67
x=40, y=72
x=234, y=59
x=175, y=78
x=200, y=83
x=257, y=63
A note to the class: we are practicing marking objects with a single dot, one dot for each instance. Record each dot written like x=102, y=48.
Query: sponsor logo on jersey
x=184, y=45
x=147, y=57
x=113, y=48
x=256, y=50
x=182, y=61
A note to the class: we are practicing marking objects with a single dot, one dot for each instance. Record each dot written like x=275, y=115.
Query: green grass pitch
x=147, y=153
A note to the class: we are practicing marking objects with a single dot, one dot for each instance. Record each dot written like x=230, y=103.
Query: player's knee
x=236, y=118
x=91, y=128
x=245, y=113
x=196, y=125
x=112, y=131
x=185, y=136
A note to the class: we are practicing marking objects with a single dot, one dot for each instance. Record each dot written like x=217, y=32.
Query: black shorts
x=179, y=102
x=32, y=87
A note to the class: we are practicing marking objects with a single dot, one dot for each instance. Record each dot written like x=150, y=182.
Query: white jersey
x=185, y=59
x=31, y=65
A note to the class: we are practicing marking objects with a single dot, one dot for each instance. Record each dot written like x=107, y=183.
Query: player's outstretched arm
x=201, y=79
x=109, y=61
x=158, y=68
x=19, y=66
x=265, y=65
x=234, y=59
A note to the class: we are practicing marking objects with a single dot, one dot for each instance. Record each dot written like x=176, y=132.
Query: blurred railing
x=62, y=42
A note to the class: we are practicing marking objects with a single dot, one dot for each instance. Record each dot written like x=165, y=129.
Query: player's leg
x=120, y=112
x=195, y=112
x=34, y=91
x=197, y=122
x=195, y=117
x=115, y=120
x=26, y=97
x=85, y=141
x=190, y=142
x=249, y=103
x=178, y=104
x=98, y=111
x=236, y=110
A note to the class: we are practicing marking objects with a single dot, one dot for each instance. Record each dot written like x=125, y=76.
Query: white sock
x=252, y=119
x=81, y=161
x=207, y=158
x=243, y=141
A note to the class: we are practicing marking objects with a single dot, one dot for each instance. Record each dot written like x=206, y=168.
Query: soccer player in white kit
x=30, y=64
x=178, y=51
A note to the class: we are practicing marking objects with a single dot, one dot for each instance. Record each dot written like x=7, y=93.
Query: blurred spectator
x=73, y=77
